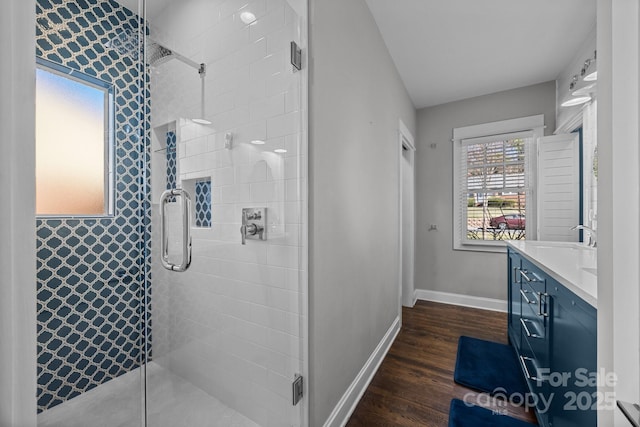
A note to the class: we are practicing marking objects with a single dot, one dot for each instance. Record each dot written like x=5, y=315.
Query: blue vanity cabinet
x=553, y=332
x=574, y=355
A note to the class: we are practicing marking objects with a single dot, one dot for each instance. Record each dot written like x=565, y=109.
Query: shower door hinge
x=297, y=388
x=296, y=56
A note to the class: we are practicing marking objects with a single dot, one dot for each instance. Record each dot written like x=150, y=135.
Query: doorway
x=407, y=216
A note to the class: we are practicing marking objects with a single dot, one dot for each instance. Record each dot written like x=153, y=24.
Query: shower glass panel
x=225, y=126
x=163, y=314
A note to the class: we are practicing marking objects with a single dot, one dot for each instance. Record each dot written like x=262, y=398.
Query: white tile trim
x=347, y=404
x=462, y=300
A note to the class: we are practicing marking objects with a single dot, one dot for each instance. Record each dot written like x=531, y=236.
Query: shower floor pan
x=172, y=402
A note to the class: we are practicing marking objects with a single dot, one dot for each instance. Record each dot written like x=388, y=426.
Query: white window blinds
x=494, y=187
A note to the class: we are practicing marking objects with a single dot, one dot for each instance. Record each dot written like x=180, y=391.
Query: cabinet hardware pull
x=515, y=275
x=524, y=295
x=523, y=360
x=540, y=296
x=526, y=329
x=523, y=273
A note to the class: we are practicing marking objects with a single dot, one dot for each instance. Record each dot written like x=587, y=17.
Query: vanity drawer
x=534, y=303
x=533, y=277
x=534, y=372
x=535, y=331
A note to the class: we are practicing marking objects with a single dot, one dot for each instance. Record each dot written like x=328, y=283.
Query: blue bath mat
x=488, y=366
x=464, y=415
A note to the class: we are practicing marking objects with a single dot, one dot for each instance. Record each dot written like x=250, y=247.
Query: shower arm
x=202, y=70
x=189, y=62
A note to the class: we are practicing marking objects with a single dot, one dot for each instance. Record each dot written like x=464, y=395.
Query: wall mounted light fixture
x=586, y=74
x=587, y=65
x=576, y=101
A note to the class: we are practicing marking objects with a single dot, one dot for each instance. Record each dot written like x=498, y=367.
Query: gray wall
x=356, y=99
x=438, y=266
x=17, y=216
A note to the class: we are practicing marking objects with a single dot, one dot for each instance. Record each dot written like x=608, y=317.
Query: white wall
x=17, y=216
x=232, y=324
x=618, y=202
x=356, y=99
x=438, y=267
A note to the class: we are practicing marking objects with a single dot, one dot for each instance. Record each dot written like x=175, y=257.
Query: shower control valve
x=253, y=224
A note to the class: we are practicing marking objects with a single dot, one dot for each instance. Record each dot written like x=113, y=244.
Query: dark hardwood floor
x=414, y=385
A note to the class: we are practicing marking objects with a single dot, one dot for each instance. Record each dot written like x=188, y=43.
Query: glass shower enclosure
x=171, y=188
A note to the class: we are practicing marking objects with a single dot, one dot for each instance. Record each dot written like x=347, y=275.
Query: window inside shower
x=74, y=142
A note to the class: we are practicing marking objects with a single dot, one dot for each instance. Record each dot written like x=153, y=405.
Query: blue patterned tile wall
x=203, y=203
x=90, y=271
x=172, y=169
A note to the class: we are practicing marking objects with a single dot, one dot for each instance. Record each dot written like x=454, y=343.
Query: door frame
x=406, y=142
x=17, y=216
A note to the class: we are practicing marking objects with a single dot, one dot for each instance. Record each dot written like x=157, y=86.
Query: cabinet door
x=573, y=355
x=515, y=305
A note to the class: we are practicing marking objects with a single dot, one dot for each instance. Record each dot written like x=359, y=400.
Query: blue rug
x=464, y=415
x=489, y=367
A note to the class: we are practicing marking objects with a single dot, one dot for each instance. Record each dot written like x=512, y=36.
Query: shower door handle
x=186, y=230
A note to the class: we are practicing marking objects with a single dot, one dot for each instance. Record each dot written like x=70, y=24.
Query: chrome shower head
x=157, y=54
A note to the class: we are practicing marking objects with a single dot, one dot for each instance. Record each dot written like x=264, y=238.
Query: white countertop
x=572, y=264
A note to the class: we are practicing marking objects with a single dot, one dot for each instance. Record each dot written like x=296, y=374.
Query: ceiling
x=155, y=7
x=447, y=50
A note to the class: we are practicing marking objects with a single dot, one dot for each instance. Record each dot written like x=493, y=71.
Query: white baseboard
x=347, y=404
x=462, y=300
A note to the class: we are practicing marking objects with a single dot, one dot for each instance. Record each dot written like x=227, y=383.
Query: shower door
x=171, y=208
x=225, y=283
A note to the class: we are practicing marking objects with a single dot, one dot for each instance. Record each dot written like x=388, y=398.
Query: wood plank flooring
x=414, y=385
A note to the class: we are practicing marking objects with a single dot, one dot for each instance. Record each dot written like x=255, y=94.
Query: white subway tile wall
x=231, y=324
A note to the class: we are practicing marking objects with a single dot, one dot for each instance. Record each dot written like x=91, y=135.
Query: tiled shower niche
x=165, y=158
x=203, y=203
x=89, y=273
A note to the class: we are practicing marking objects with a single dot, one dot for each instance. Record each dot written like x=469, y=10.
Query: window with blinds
x=492, y=181
x=494, y=187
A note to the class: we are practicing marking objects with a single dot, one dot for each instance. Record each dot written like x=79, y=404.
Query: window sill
x=497, y=247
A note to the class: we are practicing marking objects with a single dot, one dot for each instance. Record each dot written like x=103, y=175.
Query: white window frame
x=532, y=124
x=108, y=90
